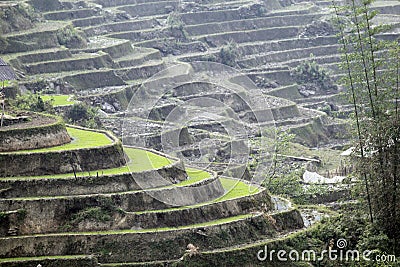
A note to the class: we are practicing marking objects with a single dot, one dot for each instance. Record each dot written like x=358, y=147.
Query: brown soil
x=35, y=120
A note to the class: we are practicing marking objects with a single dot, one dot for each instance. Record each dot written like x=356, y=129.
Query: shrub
x=84, y=115
x=97, y=214
x=78, y=112
x=286, y=184
x=176, y=25
x=311, y=73
x=27, y=11
x=326, y=108
x=228, y=54
x=32, y=102
x=70, y=37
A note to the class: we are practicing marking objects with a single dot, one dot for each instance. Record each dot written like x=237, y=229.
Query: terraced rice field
x=146, y=208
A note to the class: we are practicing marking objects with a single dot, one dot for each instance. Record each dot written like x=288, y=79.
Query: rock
x=265, y=83
x=306, y=92
x=108, y=108
x=318, y=28
x=192, y=249
x=252, y=10
x=117, y=106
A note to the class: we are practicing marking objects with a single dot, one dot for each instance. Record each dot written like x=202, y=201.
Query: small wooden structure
x=6, y=74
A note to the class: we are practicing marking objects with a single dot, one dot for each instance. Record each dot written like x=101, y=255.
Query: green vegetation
x=59, y=100
x=281, y=179
x=195, y=176
x=373, y=81
x=83, y=115
x=229, y=54
x=311, y=74
x=32, y=102
x=98, y=214
x=81, y=139
x=285, y=179
x=330, y=158
x=70, y=37
x=352, y=225
x=142, y=160
x=4, y=83
x=280, y=146
x=287, y=184
x=235, y=189
x=141, y=157
x=176, y=26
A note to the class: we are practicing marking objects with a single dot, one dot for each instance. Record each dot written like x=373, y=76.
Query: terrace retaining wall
x=58, y=162
x=50, y=135
x=45, y=215
x=148, y=246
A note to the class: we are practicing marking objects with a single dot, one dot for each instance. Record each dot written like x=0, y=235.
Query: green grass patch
x=195, y=175
x=81, y=139
x=59, y=100
x=139, y=162
x=235, y=189
x=142, y=160
x=4, y=83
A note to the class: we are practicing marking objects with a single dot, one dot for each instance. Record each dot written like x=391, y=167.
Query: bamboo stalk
x=354, y=100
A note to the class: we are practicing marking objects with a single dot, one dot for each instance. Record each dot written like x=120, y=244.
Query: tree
x=372, y=80
x=84, y=115
x=311, y=73
x=280, y=179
